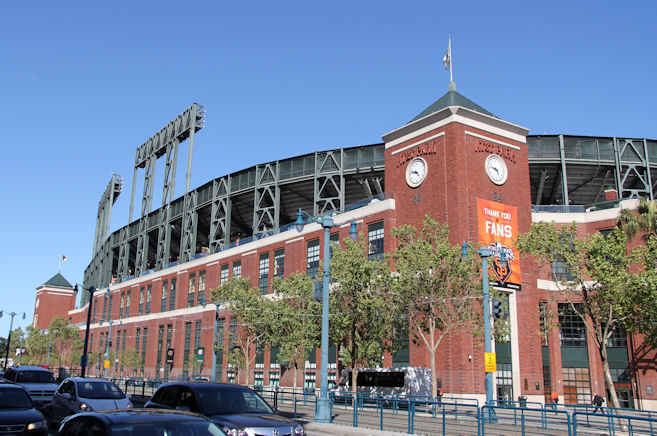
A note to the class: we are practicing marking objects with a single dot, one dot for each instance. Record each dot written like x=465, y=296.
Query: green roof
x=452, y=98
x=58, y=280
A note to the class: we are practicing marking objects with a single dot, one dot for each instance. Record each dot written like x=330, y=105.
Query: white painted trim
x=486, y=138
x=585, y=217
x=182, y=272
x=547, y=285
x=415, y=144
x=515, y=347
x=300, y=238
x=212, y=263
x=51, y=292
x=248, y=253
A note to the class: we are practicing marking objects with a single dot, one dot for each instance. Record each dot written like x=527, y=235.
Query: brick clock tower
x=468, y=169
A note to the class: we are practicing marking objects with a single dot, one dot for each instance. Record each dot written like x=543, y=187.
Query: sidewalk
x=316, y=429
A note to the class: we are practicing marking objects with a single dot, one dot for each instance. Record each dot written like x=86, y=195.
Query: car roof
x=205, y=385
x=89, y=379
x=9, y=385
x=128, y=416
x=30, y=368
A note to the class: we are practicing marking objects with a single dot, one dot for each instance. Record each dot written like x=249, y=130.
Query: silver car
x=77, y=394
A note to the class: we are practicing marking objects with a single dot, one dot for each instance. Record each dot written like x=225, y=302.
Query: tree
x=645, y=219
x=130, y=359
x=16, y=335
x=442, y=293
x=296, y=321
x=36, y=344
x=363, y=308
x=254, y=313
x=66, y=338
x=604, y=281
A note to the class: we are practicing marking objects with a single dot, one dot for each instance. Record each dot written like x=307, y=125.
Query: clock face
x=416, y=171
x=496, y=169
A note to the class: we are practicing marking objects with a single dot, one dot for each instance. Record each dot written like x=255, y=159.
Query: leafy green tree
x=442, y=293
x=254, y=312
x=16, y=335
x=296, y=322
x=363, y=308
x=66, y=338
x=606, y=282
x=36, y=344
x=643, y=220
x=130, y=360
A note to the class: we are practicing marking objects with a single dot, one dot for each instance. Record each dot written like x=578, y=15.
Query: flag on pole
x=447, y=60
x=63, y=258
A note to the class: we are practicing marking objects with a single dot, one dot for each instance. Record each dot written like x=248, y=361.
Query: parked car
x=17, y=413
x=139, y=422
x=236, y=409
x=77, y=394
x=39, y=382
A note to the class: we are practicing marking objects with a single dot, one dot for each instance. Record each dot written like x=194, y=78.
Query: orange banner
x=498, y=226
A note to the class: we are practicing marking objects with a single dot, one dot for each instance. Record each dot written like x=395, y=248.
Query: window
x=121, y=306
x=172, y=295
x=143, y=349
x=163, y=303
x=104, y=308
x=188, y=340
x=197, y=341
x=223, y=277
x=237, y=269
x=116, y=350
x=125, y=337
x=137, y=340
x=618, y=337
x=375, y=238
x=200, y=297
x=168, y=367
x=543, y=322
x=263, y=273
x=191, y=290
x=572, y=329
x=96, y=304
x=312, y=267
x=127, y=304
x=279, y=263
x=547, y=384
x=109, y=314
x=576, y=386
x=232, y=333
x=504, y=381
x=148, y=299
x=220, y=346
x=141, y=301
x=160, y=338
x=335, y=237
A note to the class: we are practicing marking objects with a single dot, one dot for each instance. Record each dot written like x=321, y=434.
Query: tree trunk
x=296, y=374
x=609, y=382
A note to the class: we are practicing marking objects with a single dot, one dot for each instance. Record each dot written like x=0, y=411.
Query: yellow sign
x=107, y=364
x=491, y=362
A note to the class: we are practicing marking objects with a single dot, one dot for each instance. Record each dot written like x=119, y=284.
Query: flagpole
x=449, y=49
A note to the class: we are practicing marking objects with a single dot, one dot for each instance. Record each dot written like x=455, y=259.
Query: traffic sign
x=491, y=362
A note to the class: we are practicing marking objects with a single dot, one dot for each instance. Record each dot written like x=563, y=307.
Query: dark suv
x=238, y=410
x=38, y=381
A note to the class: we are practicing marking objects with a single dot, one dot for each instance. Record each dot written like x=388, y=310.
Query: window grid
x=375, y=238
x=547, y=384
x=121, y=305
x=572, y=329
x=188, y=340
x=141, y=301
x=312, y=267
x=137, y=340
x=504, y=381
x=220, y=346
x=237, y=269
x=167, y=367
x=116, y=350
x=96, y=304
x=542, y=317
x=223, y=277
x=263, y=273
x=143, y=349
x=163, y=303
x=618, y=337
x=200, y=298
x=191, y=290
x=127, y=304
x=148, y=299
x=279, y=263
x=172, y=295
x=160, y=338
x=104, y=308
x=109, y=310
x=576, y=386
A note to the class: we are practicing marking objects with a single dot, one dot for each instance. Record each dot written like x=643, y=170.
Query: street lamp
x=322, y=411
x=11, y=324
x=83, y=359
x=485, y=253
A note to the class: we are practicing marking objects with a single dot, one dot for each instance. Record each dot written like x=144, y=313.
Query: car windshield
x=177, y=428
x=99, y=389
x=227, y=401
x=35, y=377
x=14, y=399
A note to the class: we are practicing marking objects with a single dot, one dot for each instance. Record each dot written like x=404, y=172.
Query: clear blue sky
x=83, y=84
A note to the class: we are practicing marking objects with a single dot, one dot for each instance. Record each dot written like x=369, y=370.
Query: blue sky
x=83, y=84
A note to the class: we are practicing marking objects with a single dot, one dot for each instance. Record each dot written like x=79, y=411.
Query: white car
x=77, y=394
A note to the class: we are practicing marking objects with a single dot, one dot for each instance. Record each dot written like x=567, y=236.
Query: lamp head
x=464, y=251
x=353, y=231
x=503, y=261
x=298, y=224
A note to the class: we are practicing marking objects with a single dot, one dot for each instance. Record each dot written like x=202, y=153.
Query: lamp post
x=322, y=411
x=83, y=359
x=485, y=253
x=214, y=342
x=11, y=324
x=108, y=345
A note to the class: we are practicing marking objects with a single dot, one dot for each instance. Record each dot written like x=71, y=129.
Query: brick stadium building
x=455, y=161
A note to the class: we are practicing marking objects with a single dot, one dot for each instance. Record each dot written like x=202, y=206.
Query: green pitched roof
x=58, y=280
x=452, y=98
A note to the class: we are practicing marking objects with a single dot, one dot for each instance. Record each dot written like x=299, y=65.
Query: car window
x=99, y=389
x=83, y=426
x=187, y=400
x=10, y=375
x=65, y=387
x=35, y=377
x=227, y=401
x=14, y=399
x=168, y=397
